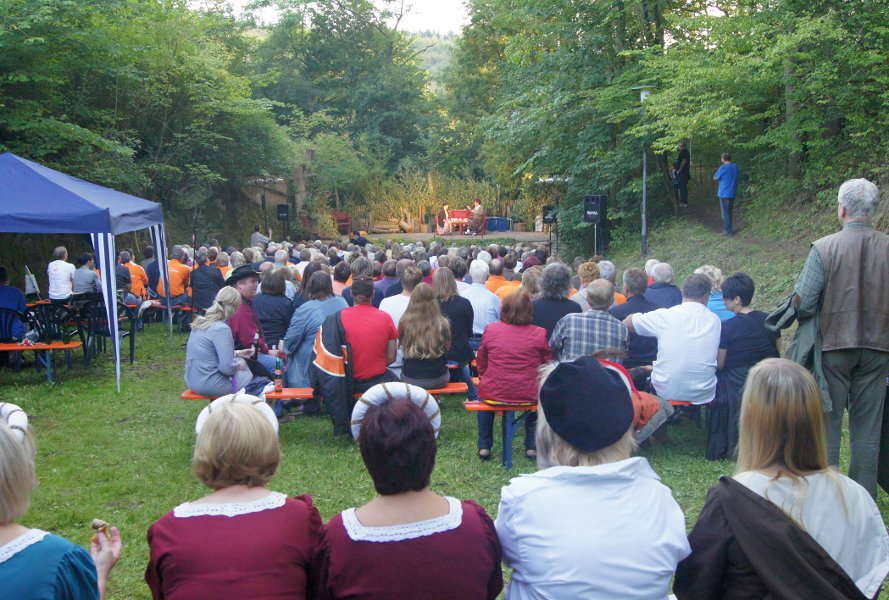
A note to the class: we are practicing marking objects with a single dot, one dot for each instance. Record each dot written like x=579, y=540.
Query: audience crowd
x=602, y=363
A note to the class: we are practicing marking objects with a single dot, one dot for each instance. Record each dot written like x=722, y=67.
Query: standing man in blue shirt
x=727, y=176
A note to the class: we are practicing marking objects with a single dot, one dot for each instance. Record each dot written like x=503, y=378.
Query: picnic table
x=46, y=349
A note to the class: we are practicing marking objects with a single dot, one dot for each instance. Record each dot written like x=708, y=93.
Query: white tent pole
x=106, y=255
x=159, y=240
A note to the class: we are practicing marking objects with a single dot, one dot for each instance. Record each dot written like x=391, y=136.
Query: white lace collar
x=230, y=509
x=407, y=531
x=10, y=549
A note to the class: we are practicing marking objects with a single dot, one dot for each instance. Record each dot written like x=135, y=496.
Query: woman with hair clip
x=212, y=365
x=242, y=540
x=786, y=525
x=425, y=338
x=408, y=541
x=35, y=564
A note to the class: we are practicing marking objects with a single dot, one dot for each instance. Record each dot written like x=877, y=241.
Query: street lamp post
x=644, y=93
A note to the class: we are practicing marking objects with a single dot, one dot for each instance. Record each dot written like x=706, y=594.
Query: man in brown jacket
x=844, y=282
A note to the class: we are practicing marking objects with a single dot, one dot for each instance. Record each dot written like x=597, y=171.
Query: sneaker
x=683, y=205
x=285, y=419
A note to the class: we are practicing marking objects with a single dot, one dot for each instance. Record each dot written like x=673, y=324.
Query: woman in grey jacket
x=212, y=366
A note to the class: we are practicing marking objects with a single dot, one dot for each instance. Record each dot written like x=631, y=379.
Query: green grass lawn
x=126, y=457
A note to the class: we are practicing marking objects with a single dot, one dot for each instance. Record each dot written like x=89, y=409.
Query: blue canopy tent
x=36, y=199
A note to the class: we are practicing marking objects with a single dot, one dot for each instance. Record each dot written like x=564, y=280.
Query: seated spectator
x=459, y=268
x=372, y=336
x=743, y=342
x=361, y=267
x=35, y=563
x=426, y=269
x=61, y=277
x=312, y=268
x=553, y=304
x=223, y=264
x=642, y=350
x=424, y=337
x=86, y=280
x=408, y=542
x=495, y=278
x=390, y=276
x=396, y=305
x=138, y=278
x=147, y=258
x=714, y=302
x=583, y=334
x=300, y=337
x=688, y=341
x=212, y=366
x=511, y=352
x=608, y=271
x=242, y=540
x=573, y=529
x=661, y=290
x=237, y=259
x=245, y=324
x=575, y=279
x=341, y=275
x=485, y=304
x=649, y=269
x=206, y=281
x=273, y=309
x=458, y=312
x=786, y=525
x=180, y=277
x=124, y=282
x=395, y=287
x=587, y=273
x=12, y=298
x=509, y=267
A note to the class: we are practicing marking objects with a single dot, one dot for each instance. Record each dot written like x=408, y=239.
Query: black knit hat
x=586, y=404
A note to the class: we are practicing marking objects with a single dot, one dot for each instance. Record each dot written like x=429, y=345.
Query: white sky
x=441, y=16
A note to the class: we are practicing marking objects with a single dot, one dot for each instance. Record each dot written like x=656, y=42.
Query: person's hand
x=105, y=553
x=245, y=353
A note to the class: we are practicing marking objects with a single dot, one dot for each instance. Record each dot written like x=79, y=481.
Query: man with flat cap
x=594, y=522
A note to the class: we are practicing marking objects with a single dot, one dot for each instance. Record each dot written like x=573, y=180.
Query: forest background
x=184, y=105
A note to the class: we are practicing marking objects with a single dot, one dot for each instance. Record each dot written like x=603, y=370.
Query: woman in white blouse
x=593, y=523
x=786, y=525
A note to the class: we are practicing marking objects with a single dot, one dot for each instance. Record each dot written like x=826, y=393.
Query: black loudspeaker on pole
x=594, y=209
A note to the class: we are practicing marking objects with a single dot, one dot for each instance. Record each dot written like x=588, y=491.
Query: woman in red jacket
x=511, y=352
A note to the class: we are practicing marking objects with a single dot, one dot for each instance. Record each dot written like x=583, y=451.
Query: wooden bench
x=284, y=394
x=509, y=422
x=305, y=393
x=47, y=349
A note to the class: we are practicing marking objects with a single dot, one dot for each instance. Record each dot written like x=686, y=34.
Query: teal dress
x=300, y=337
x=42, y=566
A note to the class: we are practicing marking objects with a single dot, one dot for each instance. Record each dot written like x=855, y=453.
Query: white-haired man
x=844, y=283
x=662, y=291
x=485, y=304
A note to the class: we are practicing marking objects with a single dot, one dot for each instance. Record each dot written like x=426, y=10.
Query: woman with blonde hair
x=35, y=563
x=212, y=366
x=242, y=540
x=531, y=280
x=785, y=525
x=594, y=521
x=425, y=338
